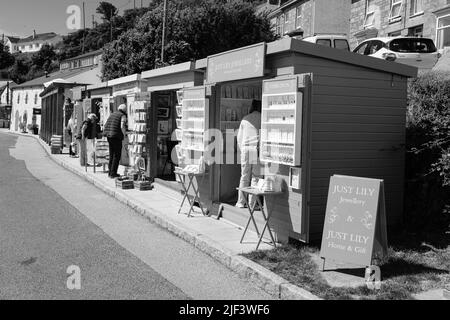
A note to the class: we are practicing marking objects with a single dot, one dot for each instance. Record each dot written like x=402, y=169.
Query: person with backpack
x=115, y=131
x=90, y=130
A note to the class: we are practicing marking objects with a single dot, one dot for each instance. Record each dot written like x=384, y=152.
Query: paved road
x=51, y=219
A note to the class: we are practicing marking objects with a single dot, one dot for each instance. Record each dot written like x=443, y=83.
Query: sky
x=21, y=17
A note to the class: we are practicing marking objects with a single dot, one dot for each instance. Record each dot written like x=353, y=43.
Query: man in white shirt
x=248, y=142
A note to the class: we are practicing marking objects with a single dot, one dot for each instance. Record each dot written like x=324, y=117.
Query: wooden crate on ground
x=124, y=183
x=143, y=185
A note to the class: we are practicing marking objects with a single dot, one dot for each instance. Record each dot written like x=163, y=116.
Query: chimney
x=34, y=34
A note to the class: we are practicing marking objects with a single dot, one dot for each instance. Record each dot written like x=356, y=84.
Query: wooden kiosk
x=324, y=112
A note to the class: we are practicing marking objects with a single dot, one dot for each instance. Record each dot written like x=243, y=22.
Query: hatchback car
x=417, y=52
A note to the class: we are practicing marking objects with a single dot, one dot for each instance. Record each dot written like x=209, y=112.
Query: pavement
x=219, y=239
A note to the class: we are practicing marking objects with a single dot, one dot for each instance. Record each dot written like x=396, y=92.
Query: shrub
x=428, y=151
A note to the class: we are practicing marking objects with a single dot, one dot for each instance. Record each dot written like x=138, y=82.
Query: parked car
x=417, y=52
x=330, y=40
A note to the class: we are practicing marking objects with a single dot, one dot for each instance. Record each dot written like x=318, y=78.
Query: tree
x=44, y=58
x=107, y=10
x=193, y=32
x=6, y=58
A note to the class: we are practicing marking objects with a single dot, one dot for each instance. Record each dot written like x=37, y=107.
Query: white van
x=330, y=40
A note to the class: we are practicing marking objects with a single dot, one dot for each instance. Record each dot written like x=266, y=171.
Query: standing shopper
x=89, y=132
x=115, y=130
x=248, y=142
x=71, y=130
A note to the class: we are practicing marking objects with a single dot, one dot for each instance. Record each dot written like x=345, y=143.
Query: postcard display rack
x=137, y=145
x=193, y=122
x=281, y=122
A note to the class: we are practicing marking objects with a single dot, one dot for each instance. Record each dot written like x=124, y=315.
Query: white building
x=11, y=43
x=35, y=42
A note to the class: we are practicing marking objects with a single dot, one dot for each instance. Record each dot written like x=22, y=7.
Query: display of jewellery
x=281, y=121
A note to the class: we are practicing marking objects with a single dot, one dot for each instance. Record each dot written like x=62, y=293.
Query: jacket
x=112, y=127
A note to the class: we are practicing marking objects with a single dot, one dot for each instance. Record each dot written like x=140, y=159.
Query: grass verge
x=405, y=271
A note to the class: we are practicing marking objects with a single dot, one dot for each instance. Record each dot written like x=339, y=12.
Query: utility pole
x=84, y=28
x=163, y=31
x=110, y=26
x=93, y=21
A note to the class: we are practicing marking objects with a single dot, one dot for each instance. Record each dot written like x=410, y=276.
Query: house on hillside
x=35, y=42
x=11, y=43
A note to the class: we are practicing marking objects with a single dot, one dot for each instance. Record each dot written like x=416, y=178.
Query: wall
x=317, y=16
x=3, y=96
x=18, y=109
x=385, y=26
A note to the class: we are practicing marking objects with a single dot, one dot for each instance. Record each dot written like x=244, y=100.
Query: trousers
x=250, y=172
x=115, y=153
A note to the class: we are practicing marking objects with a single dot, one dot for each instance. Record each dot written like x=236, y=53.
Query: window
x=395, y=33
x=281, y=25
x=443, y=32
x=18, y=98
x=369, y=20
x=416, y=31
x=298, y=20
x=324, y=42
x=35, y=98
x=361, y=49
x=341, y=44
x=409, y=45
x=396, y=10
x=273, y=24
x=416, y=7
x=374, y=46
x=26, y=98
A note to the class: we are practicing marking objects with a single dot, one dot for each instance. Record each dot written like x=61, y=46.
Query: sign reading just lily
x=355, y=221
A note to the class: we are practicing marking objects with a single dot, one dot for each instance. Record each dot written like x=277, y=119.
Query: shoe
x=240, y=205
x=113, y=176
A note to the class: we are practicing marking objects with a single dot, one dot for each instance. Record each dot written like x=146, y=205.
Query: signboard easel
x=355, y=222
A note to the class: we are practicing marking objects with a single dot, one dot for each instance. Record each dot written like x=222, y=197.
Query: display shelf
x=281, y=121
x=179, y=109
x=179, y=123
x=179, y=134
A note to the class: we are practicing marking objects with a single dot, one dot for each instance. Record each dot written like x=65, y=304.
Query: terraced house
x=380, y=18
x=309, y=17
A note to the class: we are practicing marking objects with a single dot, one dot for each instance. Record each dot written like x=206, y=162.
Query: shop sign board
x=237, y=64
x=37, y=111
x=126, y=88
x=77, y=93
x=280, y=85
x=195, y=93
x=355, y=221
